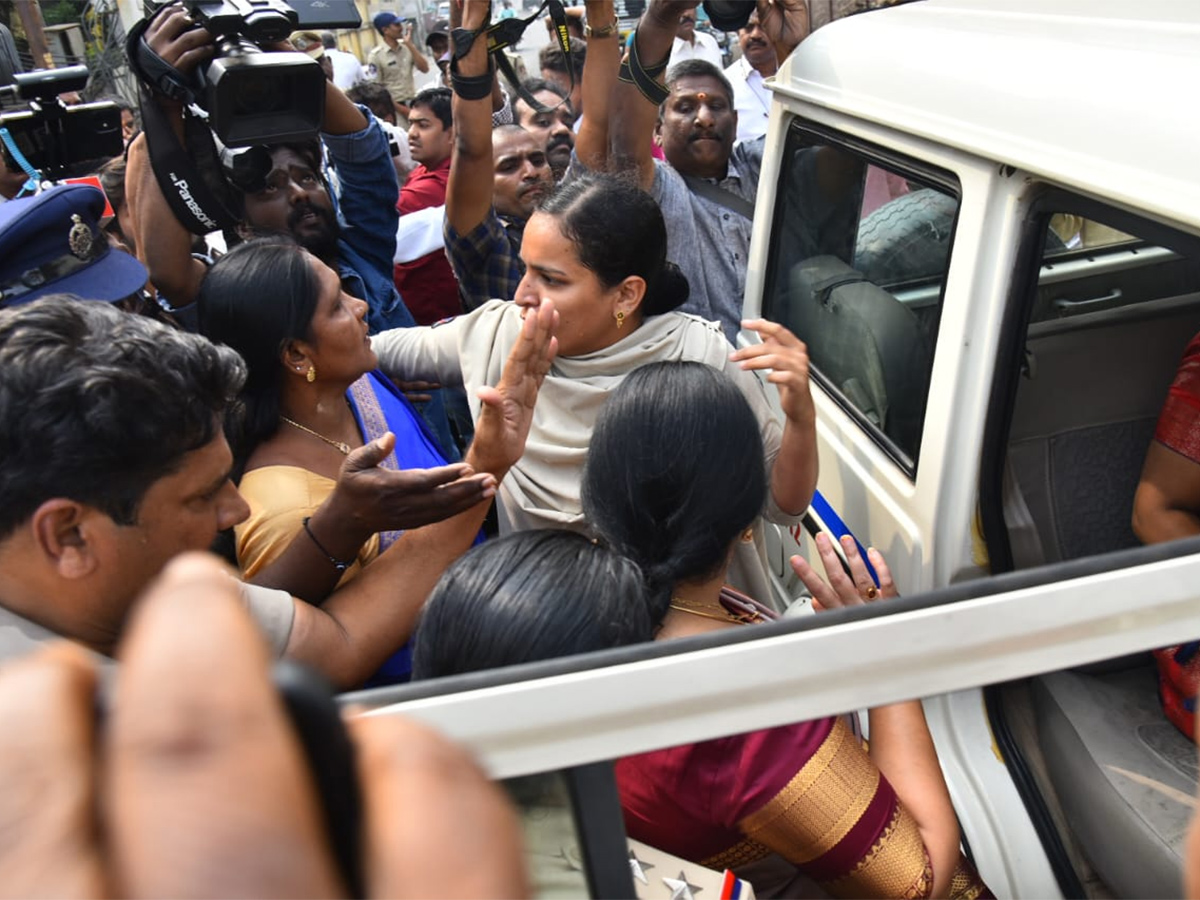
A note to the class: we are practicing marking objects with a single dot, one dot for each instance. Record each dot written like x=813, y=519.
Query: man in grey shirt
x=115, y=462
x=707, y=185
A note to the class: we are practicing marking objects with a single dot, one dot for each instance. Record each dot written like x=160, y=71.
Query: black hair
x=674, y=473
x=328, y=41
x=533, y=86
x=373, y=96
x=529, y=596
x=98, y=404
x=112, y=181
x=257, y=297
x=618, y=231
x=437, y=99
x=699, y=68
x=552, y=57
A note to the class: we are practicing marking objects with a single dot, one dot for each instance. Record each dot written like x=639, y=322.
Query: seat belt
x=726, y=199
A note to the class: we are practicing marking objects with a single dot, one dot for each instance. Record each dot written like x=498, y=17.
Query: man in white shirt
x=693, y=44
x=347, y=70
x=751, y=98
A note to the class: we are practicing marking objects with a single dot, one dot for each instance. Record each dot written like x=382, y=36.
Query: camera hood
x=264, y=98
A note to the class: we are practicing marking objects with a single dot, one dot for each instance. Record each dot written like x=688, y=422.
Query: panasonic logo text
x=185, y=195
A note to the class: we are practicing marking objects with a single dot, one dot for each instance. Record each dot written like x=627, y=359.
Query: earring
x=311, y=375
x=620, y=318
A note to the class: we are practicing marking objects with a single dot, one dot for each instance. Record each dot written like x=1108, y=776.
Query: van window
x=859, y=252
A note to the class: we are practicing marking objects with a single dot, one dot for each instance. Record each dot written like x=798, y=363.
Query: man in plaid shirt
x=496, y=180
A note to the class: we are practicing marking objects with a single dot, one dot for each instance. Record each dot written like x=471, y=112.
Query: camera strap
x=507, y=32
x=195, y=202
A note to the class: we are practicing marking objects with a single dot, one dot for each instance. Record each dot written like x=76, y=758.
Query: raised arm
x=163, y=244
x=361, y=624
x=418, y=58
x=599, y=78
x=469, y=189
x=633, y=115
x=785, y=357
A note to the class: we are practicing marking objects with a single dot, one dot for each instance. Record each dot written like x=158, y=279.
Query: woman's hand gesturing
x=853, y=590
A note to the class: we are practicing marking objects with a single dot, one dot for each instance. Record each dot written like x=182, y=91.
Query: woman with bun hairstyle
x=596, y=250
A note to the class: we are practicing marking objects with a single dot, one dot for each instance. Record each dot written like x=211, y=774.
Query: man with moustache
x=497, y=178
x=706, y=185
x=692, y=44
x=551, y=125
x=293, y=198
x=751, y=99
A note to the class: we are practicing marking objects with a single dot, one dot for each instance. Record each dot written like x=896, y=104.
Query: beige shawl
x=543, y=489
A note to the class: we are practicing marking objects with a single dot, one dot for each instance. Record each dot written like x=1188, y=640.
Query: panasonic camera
x=254, y=97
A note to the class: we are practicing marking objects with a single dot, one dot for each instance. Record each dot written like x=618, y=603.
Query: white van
x=983, y=216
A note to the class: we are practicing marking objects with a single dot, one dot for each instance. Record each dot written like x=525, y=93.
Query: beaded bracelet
x=333, y=560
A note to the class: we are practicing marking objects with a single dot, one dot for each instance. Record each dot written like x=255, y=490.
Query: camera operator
x=295, y=200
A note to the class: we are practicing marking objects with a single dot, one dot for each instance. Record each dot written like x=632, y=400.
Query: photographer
x=295, y=200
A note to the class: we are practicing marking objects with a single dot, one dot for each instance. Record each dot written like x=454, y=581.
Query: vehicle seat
x=1125, y=777
x=1084, y=416
x=871, y=346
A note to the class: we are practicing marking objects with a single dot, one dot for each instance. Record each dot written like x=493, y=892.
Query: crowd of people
x=459, y=391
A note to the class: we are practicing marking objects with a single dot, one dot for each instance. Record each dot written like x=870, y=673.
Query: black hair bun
x=669, y=291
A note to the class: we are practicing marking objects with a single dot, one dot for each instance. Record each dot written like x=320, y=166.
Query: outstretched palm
x=507, y=410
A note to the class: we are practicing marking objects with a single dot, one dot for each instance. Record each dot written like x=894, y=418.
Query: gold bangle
x=603, y=31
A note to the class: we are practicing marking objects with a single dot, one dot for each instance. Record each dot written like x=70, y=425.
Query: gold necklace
x=341, y=446
x=724, y=616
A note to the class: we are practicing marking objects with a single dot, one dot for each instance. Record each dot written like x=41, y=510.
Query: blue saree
x=380, y=407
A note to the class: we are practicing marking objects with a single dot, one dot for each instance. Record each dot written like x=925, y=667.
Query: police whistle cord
x=35, y=177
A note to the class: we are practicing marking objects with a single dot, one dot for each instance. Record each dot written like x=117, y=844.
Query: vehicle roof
x=1098, y=95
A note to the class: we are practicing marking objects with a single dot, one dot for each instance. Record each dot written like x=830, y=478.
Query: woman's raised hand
x=854, y=589
x=369, y=499
x=507, y=410
x=785, y=357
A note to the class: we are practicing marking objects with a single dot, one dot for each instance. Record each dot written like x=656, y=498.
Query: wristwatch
x=602, y=32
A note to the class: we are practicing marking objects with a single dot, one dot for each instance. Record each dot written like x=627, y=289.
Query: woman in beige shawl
x=597, y=249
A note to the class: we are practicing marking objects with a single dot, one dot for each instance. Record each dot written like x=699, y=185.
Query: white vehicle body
x=1004, y=107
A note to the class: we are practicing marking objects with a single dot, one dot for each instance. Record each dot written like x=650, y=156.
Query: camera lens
x=728, y=15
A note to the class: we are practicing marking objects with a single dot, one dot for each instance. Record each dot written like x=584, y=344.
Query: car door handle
x=1064, y=307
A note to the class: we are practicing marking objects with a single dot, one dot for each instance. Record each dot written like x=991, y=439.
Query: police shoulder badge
x=80, y=240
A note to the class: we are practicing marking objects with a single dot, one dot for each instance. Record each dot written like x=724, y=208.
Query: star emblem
x=639, y=867
x=680, y=889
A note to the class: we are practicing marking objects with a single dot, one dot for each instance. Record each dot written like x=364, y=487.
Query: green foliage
x=62, y=12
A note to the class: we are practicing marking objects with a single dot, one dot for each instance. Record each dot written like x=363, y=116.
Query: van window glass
x=859, y=253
